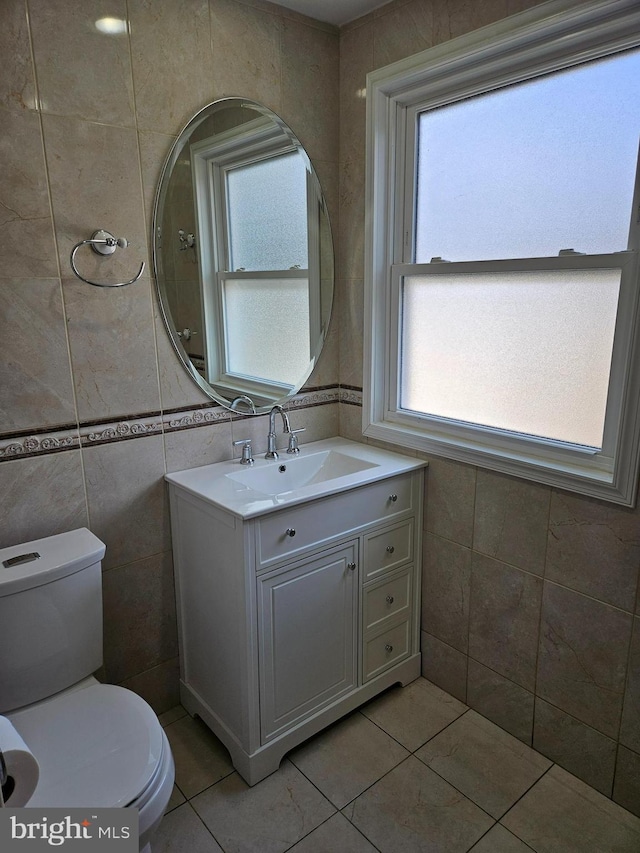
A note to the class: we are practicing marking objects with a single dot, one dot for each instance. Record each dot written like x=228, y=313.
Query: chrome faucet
x=272, y=453
x=233, y=405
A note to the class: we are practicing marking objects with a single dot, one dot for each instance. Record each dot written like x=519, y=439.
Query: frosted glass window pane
x=277, y=313
x=267, y=214
x=528, y=170
x=525, y=352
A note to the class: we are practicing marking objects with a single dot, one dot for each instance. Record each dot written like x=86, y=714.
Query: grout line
x=475, y=504
x=473, y=540
x=491, y=828
x=539, y=779
x=411, y=753
x=337, y=812
x=539, y=635
x=467, y=796
x=406, y=758
x=203, y=823
x=626, y=691
x=339, y=809
x=56, y=249
x=326, y=820
x=148, y=232
x=615, y=766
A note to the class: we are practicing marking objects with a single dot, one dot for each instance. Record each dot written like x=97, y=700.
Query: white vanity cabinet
x=291, y=618
x=307, y=637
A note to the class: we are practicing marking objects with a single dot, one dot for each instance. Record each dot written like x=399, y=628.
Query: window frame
x=251, y=143
x=550, y=37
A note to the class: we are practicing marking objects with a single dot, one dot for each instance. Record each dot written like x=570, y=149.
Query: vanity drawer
x=286, y=533
x=387, y=600
x=385, y=650
x=387, y=549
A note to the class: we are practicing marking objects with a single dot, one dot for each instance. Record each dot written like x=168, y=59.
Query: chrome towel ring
x=104, y=244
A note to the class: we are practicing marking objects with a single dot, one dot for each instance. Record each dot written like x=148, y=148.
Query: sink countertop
x=212, y=482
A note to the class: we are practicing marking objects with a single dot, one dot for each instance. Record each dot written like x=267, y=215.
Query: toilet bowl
x=97, y=745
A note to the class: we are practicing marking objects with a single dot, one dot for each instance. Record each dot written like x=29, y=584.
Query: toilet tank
x=50, y=616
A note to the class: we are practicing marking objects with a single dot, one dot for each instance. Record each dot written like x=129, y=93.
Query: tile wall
x=530, y=611
x=529, y=606
x=94, y=405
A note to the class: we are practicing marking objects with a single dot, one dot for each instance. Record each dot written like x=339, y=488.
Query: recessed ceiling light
x=111, y=26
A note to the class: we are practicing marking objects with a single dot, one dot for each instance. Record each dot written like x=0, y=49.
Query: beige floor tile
x=488, y=765
x=200, y=758
x=336, y=835
x=347, y=758
x=176, y=799
x=469, y=772
x=561, y=814
x=499, y=840
x=182, y=831
x=413, y=810
x=268, y=818
x=170, y=716
x=415, y=713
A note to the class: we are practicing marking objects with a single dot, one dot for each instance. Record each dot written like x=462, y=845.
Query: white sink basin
x=323, y=468
x=287, y=474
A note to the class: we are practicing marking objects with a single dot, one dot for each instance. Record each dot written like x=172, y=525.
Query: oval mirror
x=243, y=255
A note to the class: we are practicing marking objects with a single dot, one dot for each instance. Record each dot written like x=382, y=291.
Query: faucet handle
x=247, y=456
x=293, y=440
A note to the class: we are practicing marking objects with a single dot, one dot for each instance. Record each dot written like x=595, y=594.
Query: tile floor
x=413, y=770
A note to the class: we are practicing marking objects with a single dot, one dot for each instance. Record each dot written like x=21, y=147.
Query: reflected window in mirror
x=240, y=180
x=260, y=213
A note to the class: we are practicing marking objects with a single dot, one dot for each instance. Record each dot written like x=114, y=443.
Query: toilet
x=96, y=744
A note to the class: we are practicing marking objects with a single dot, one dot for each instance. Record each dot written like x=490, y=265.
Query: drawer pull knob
x=390, y=549
x=388, y=647
x=351, y=566
x=291, y=531
x=389, y=599
x=393, y=498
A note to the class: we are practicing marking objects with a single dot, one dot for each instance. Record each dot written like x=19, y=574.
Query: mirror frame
x=158, y=274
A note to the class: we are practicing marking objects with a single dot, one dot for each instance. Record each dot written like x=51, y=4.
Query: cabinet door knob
x=393, y=498
x=290, y=531
x=390, y=549
x=388, y=647
x=389, y=599
x=351, y=566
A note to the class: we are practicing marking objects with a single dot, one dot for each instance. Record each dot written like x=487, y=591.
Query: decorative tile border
x=107, y=432
x=23, y=446
x=351, y=395
x=172, y=421
x=314, y=397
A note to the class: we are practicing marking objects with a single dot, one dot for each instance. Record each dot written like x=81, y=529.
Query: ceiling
x=336, y=12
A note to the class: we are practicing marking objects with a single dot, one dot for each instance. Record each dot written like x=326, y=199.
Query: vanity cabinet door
x=307, y=621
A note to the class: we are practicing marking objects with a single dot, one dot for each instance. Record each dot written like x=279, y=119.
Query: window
x=258, y=208
x=266, y=271
x=502, y=267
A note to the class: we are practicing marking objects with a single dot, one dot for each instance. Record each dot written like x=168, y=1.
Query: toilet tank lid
x=44, y=560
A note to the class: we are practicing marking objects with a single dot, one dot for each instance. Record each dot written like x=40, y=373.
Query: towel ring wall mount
x=103, y=243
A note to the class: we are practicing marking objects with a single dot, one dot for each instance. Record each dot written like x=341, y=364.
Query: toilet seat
x=99, y=746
